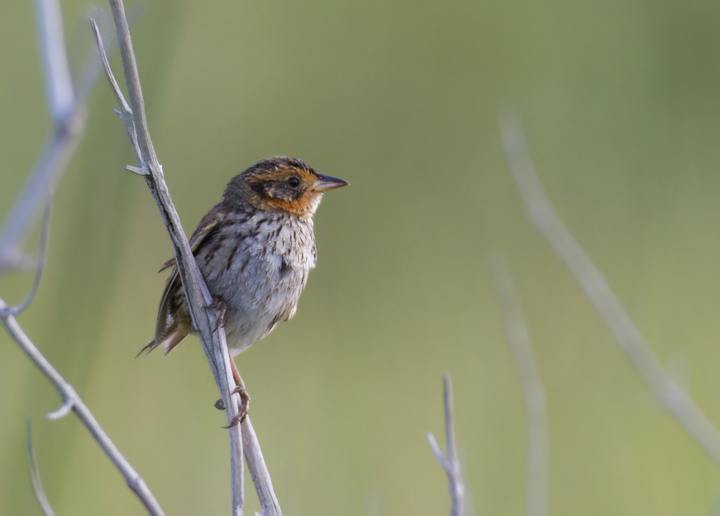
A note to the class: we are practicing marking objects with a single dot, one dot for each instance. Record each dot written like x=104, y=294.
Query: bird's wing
x=201, y=232
x=168, y=330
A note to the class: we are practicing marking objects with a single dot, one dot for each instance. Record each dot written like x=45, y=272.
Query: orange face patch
x=289, y=189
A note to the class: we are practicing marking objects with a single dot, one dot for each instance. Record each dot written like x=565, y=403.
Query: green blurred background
x=621, y=107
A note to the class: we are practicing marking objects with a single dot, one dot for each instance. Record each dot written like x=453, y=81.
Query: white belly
x=262, y=285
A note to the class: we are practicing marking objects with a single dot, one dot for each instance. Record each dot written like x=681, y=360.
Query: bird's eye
x=293, y=182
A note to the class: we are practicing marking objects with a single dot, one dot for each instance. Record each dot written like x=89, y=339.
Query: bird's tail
x=170, y=329
x=176, y=333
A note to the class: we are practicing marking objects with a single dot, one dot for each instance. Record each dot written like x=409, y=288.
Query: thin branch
x=199, y=299
x=532, y=387
x=258, y=470
x=58, y=82
x=67, y=113
x=42, y=257
x=125, y=113
x=40, y=183
x=35, y=477
x=72, y=399
x=436, y=450
x=450, y=462
x=68, y=126
x=68, y=119
x=62, y=411
x=670, y=395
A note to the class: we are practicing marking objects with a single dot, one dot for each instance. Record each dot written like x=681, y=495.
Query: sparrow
x=255, y=249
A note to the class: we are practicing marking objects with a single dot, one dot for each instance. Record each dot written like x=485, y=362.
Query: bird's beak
x=328, y=183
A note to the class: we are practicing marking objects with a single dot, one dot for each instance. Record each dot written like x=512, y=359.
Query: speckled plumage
x=255, y=249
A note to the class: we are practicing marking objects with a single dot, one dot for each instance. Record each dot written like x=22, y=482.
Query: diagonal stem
x=531, y=384
x=540, y=211
x=72, y=399
x=198, y=296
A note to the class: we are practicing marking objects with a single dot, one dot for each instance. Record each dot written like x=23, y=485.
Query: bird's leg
x=244, y=406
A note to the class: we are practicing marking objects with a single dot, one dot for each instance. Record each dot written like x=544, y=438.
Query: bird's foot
x=220, y=310
x=243, y=406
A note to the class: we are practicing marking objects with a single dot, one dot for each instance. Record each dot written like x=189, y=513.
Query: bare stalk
x=35, y=480
x=73, y=402
x=40, y=266
x=450, y=462
x=68, y=123
x=532, y=387
x=540, y=211
x=258, y=470
x=67, y=114
x=199, y=299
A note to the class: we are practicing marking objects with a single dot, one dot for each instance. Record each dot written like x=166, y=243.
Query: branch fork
x=449, y=461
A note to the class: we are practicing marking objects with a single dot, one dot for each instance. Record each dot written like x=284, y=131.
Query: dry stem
x=35, y=479
x=67, y=114
x=72, y=402
x=450, y=462
x=198, y=296
x=541, y=213
x=532, y=387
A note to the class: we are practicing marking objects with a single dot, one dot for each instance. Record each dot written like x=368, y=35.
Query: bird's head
x=280, y=184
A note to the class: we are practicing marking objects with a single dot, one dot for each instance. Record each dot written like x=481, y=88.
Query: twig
x=58, y=82
x=450, y=462
x=66, y=111
x=532, y=387
x=67, y=130
x=125, y=113
x=35, y=477
x=198, y=296
x=541, y=213
x=42, y=256
x=258, y=470
x=71, y=401
x=68, y=119
x=66, y=133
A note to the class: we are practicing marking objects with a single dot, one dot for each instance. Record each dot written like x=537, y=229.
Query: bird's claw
x=243, y=406
x=221, y=309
